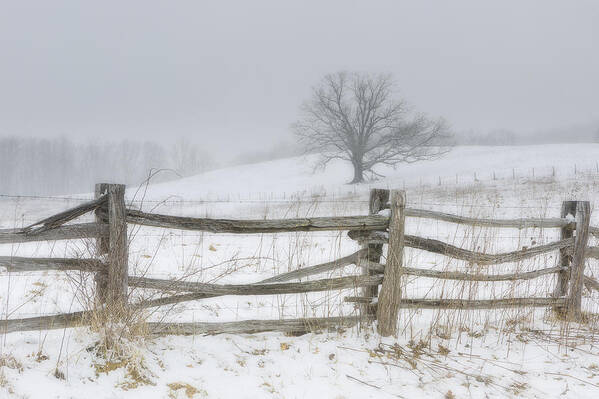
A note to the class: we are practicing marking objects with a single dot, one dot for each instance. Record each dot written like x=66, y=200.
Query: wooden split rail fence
x=373, y=231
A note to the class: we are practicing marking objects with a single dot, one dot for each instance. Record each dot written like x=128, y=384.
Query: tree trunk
x=358, y=173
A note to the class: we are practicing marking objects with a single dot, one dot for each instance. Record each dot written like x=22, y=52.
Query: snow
x=495, y=354
x=385, y=212
x=297, y=175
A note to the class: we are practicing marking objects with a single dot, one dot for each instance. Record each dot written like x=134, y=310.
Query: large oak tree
x=356, y=118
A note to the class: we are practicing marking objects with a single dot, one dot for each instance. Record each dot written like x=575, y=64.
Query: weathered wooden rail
x=19, y=264
x=239, y=226
x=480, y=258
x=69, y=232
x=256, y=289
x=522, y=223
x=372, y=231
x=471, y=304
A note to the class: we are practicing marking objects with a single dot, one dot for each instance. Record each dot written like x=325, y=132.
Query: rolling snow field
x=438, y=354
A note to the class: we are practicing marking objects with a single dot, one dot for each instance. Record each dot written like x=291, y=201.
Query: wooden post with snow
x=118, y=248
x=377, y=202
x=561, y=289
x=112, y=286
x=583, y=219
x=102, y=246
x=390, y=297
x=574, y=260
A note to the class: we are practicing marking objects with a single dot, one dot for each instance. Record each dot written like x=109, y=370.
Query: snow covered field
x=516, y=352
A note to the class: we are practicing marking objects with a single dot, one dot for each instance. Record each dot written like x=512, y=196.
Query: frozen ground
x=515, y=352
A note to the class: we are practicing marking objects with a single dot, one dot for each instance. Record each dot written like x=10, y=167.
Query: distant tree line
x=31, y=166
x=572, y=134
x=494, y=137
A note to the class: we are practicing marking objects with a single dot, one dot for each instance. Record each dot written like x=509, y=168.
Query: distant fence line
x=372, y=231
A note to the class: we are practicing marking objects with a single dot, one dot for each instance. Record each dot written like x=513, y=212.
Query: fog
x=230, y=76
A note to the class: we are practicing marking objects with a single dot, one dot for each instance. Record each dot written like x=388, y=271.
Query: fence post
x=377, y=202
x=583, y=219
x=102, y=246
x=112, y=286
x=565, y=257
x=390, y=298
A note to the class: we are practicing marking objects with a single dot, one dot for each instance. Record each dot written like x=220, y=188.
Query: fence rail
x=372, y=231
x=510, y=223
x=68, y=232
x=480, y=258
x=408, y=303
x=256, y=289
x=19, y=264
x=255, y=326
x=449, y=275
x=241, y=226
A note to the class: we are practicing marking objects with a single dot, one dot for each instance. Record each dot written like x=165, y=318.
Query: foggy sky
x=237, y=71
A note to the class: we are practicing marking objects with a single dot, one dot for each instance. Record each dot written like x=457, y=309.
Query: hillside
x=297, y=174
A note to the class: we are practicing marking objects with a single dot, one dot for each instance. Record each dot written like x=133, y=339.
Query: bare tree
x=188, y=159
x=354, y=117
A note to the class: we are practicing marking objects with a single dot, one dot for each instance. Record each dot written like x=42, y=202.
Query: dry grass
x=8, y=361
x=189, y=390
x=128, y=357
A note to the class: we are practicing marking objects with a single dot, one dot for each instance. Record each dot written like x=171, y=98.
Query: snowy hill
x=297, y=174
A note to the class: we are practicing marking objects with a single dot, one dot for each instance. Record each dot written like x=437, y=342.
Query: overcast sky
x=237, y=71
